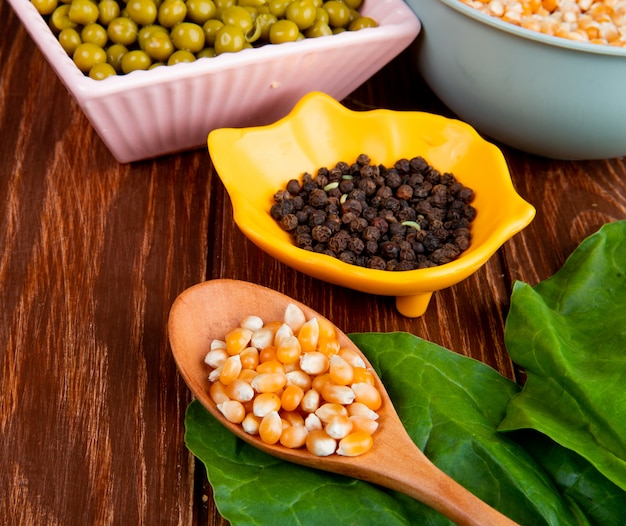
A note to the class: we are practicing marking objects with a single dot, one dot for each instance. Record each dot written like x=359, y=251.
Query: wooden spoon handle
x=410, y=472
x=400, y=465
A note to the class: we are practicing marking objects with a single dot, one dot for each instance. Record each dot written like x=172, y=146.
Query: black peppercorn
x=400, y=218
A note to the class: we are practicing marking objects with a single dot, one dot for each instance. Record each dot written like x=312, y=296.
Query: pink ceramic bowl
x=147, y=114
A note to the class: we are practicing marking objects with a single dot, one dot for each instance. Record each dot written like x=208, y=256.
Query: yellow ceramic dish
x=254, y=163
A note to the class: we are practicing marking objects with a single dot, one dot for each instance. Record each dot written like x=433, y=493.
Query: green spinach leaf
x=451, y=406
x=569, y=334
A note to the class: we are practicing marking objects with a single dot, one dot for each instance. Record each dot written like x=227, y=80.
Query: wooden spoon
x=209, y=310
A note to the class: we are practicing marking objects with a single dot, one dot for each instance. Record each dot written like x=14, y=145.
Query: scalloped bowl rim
x=383, y=282
x=529, y=34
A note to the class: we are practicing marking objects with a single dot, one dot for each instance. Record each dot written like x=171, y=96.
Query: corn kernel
x=352, y=357
x=288, y=350
x=568, y=19
x=355, y=444
x=216, y=357
x=293, y=418
x=341, y=372
x=240, y=390
x=283, y=331
x=294, y=437
x=218, y=393
x=360, y=409
x=230, y=370
x=339, y=426
x=313, y=423
x=268, y=354
x=237, y=340
x=329, y=410
x=362, y=375
x=270, y=428
x=314, y=363
x=326, y=329
x=320, y=444
x=320, y=381
x=363, y=423
x=291, y=397
x=308, y=335
x=233, y=411
x=252, y=323
x=368, y=395
x=270, y=366
x=294, y=317
x=299, y=378
x=313, y=399
x=262, y=338
x=338, y=394
x=269, y=382
x=218, y=344
x=249, y=358
x=264, y=404
x=247, y=375
x=251, y=424
x=328, y=346
x=310, y=401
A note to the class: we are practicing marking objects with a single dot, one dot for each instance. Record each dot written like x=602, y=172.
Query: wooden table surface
x=93, y=253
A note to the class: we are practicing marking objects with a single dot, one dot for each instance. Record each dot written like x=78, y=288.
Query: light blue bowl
x=545, y=95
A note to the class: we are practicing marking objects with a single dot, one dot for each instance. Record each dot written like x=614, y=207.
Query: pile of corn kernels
x=290, y=382
x=595, y=21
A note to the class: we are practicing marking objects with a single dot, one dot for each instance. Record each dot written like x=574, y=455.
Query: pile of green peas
x=115, y=37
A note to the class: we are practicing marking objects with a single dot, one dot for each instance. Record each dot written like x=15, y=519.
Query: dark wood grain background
x=93, y=253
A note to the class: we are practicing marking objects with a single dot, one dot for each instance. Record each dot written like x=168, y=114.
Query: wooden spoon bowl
x=209, y=310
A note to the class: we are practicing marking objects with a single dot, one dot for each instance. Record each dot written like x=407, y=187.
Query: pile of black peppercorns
x=405, y=217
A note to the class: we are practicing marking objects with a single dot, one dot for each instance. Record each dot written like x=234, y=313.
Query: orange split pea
x=289, y=382
x=594, y=21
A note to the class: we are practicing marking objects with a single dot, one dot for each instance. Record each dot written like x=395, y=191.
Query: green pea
x=318, y=29
x=199, y=11
x=69, y=40
x=172, y=12
x=45, y=7
x=122, y=30
x=362, y=23
x=87, y=55
x=102, y=71
x=210, y=28
x=237, y=16
x=338, y=13
x=223, y=4
x=109, y=11
x=321, y=15
x=59, y=20
x=147, y=31
x=180, y=56
x=135, y=60
x=302, y=12
x=284, y=31
x=115, y=53
x=159, y=46
x=143, y=12
x=229, y=39
x=83, y=12
x=264, y=21
x=189, y=36
x=278, y=7
x=95, y=34
x=207, y=52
